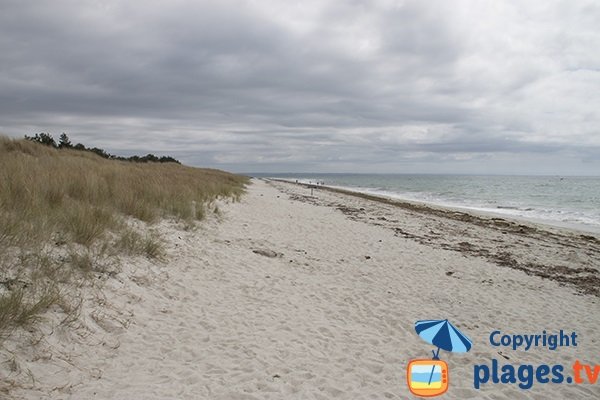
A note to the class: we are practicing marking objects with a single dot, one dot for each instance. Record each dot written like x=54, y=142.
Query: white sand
x=318, y=321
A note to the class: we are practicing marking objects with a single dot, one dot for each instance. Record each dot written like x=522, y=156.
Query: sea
x=565, y=201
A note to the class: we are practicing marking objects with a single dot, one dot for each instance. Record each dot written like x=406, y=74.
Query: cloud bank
x=332, y=86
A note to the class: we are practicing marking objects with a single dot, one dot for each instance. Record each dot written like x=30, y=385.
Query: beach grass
x=61, y=209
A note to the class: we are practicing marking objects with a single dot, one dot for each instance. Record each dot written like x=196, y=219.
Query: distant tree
x=165, y=159
x=99, y=151
x=43, y=138
x=64, y=142
x=149, y=157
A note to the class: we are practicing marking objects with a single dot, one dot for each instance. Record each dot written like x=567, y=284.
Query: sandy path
x=330, y=316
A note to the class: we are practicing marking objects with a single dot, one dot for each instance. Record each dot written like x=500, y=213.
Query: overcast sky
x=329, y=86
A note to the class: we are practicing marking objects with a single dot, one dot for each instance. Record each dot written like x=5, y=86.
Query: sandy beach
x=285, y=295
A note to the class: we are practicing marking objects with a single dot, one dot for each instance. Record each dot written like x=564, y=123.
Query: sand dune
x=295, y=297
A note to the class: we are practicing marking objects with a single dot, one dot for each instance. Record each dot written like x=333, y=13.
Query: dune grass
x=65, y=198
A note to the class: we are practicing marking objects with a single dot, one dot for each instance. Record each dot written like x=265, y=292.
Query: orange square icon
x=427, y=378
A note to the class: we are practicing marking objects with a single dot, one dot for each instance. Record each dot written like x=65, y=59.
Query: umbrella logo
x=428, y=378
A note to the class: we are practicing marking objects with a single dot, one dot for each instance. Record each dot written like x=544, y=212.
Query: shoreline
x=515, y=253
x=472, y=211
x=550, y=224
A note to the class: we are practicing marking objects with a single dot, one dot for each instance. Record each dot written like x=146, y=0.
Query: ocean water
x=563, y=201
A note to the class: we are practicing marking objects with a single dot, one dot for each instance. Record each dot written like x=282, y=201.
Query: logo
x=429, y=378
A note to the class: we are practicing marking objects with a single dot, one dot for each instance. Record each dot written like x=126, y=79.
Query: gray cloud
x=373, y=86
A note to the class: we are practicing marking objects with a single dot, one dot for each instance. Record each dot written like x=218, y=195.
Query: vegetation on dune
x=65, y=143
x=63, y=210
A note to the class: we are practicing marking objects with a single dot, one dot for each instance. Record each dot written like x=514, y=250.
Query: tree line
x=65, y=143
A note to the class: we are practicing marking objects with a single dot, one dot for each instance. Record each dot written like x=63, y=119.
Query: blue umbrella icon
x=443, y=335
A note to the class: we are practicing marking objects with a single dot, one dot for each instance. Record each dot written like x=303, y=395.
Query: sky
x=377, y=86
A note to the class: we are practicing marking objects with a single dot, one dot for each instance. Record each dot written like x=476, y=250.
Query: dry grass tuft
x=152, y=247
x=18, y=307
